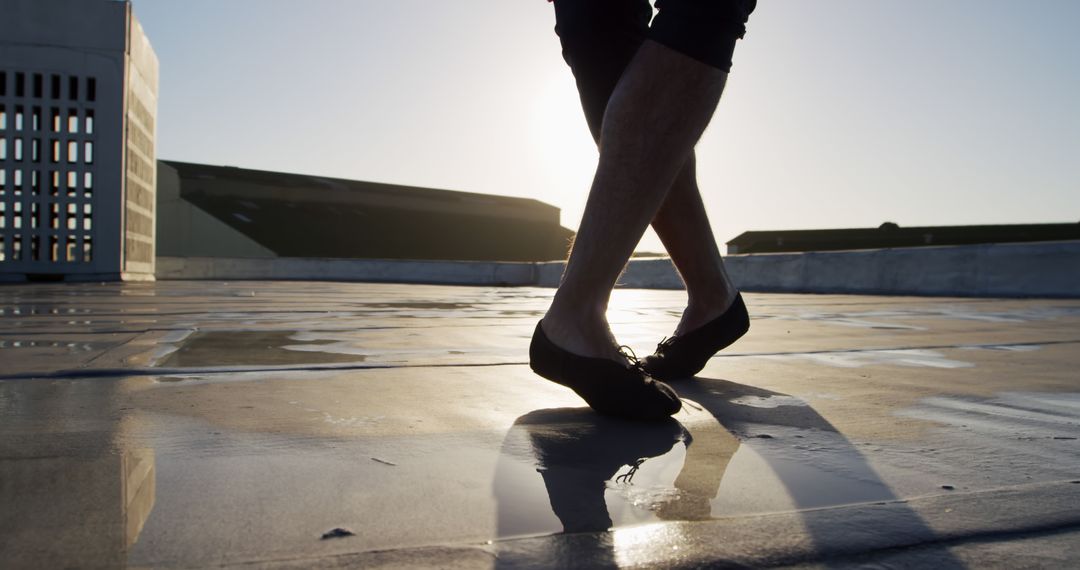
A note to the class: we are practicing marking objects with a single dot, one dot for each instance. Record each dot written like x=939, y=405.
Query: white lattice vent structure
x=78, y=104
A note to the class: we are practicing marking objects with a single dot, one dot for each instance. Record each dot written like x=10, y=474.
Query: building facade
x=890, y=235
x=78, y=105
x=224, y=211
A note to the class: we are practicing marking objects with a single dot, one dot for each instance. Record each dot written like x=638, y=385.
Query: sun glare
x=562, y=145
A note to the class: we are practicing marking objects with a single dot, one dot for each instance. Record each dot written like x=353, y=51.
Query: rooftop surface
x=194, y=424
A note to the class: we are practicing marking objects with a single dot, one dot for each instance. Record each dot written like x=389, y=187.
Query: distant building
x=78, y=100
x=892, y=235
x=221, y=211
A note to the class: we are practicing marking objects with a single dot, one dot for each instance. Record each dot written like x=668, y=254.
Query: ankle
x=702, y=309
x=584, y=333
x=713, y=299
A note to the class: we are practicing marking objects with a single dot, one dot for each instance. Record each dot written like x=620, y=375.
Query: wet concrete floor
x=206, y=424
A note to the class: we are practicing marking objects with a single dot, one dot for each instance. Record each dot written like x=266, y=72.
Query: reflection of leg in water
x=577, y=453
x=707, y=456
x=577, y=497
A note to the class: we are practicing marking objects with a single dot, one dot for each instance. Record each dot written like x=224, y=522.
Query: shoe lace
x=630, y=356
x=628, y=477
x=664, y=343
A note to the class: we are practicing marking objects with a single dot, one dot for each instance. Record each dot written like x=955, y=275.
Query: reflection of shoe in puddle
x=578, y=452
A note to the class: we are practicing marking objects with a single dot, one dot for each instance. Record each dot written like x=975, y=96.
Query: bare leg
x=598, y=52
x=681, y=222
x=684, y=229
x=654, y=118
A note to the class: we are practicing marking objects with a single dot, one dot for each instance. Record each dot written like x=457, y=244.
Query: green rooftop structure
x=223, y=211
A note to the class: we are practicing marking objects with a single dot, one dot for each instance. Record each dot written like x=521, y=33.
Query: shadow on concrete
x=579, y=455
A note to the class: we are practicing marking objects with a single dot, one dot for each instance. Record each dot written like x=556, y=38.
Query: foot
x=616, y=388
x=686, y=353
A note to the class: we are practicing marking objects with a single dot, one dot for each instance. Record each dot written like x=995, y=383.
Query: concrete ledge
x=1043, y=269
x=654, y=273
x=74, y=277
x=371, y=270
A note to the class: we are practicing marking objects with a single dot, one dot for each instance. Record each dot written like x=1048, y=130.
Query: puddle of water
x=552, y=471
x=69, y=346
x=903, y=357
x=247, y=348
x=601, y=475
x=572, y=470
x=178, y=378
x=53, y=499
x=772, y=401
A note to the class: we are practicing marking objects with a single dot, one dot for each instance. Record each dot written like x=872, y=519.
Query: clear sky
x=838, y=113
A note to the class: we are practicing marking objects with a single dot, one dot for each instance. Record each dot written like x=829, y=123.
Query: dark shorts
x=705, y=30
x=599, y=37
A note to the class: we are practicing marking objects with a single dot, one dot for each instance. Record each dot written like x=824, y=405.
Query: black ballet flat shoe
x=685, y=355
x=607, y=386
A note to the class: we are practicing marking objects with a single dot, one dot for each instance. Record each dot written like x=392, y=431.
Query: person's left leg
x=683, y=227
x=706, y=31
x=715, y=315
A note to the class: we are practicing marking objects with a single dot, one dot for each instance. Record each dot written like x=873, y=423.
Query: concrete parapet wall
x=1043, y=269
x=393, y=271
x=654, y=273
x=1047, y=269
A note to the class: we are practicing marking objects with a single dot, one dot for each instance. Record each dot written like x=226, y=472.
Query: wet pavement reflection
x=186, y=424
x=245, y=348
x=74, y=492
x=608, y=474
